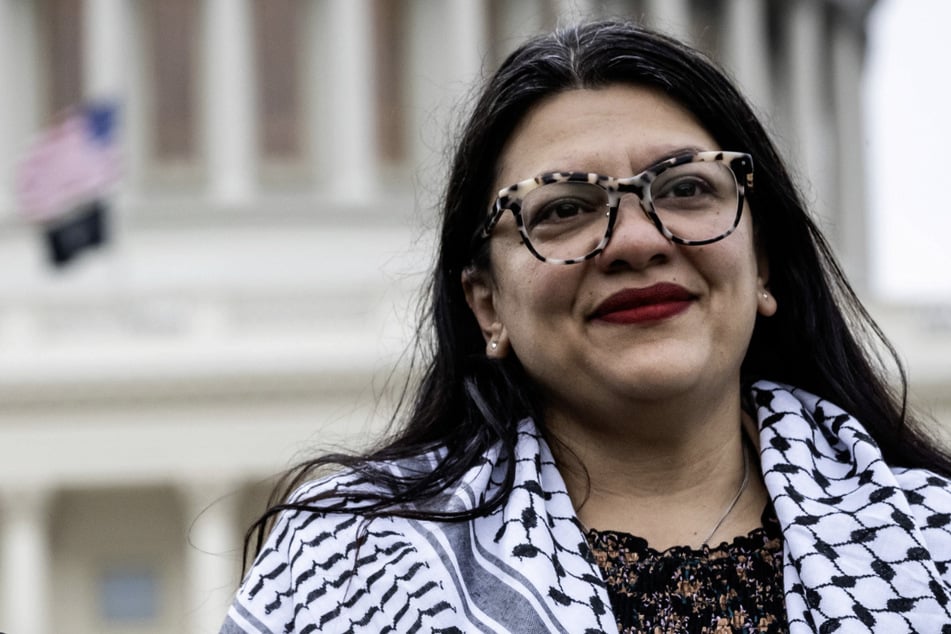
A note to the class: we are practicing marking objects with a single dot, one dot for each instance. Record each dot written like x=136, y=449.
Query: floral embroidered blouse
x=734, y=587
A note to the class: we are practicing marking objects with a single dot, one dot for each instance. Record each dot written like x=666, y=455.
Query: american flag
x=72, y=163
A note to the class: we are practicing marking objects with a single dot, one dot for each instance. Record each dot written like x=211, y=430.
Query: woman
x=652, y=402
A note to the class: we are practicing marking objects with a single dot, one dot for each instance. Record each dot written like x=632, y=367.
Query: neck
x=640, y=438
x=665, y=474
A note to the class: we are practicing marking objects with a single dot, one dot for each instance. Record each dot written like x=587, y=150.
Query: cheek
x=532, y=295
x=732, y=261
x=731, y=271
x=526, y=294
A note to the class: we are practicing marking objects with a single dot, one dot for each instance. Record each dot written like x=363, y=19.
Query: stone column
x=350, y=149
x=19, y=103
x=212, y=553
x=104, y=42
x=228, y=100
x=135, y=86
x=467, y=32
x=671, y=17
x=850, y=203
x=7, y=95
x=746, y=50
x=25, y=560
x=807, y=56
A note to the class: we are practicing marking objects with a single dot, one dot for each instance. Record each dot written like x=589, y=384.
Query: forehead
x=617, y=130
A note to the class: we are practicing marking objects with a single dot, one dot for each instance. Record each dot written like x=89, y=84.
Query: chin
x=659, y=390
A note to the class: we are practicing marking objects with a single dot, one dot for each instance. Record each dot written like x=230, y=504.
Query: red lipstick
x=639, y=305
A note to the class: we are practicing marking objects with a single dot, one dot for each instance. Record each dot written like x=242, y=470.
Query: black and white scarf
x=866, y=547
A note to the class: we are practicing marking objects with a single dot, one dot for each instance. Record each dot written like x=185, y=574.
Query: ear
x=480, y=296
x=765, y=301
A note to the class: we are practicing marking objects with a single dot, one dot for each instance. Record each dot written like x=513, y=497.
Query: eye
x=563, y=204
x=681, y=187
x=562, y=209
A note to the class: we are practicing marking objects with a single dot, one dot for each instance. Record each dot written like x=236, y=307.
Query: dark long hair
x=821, y=338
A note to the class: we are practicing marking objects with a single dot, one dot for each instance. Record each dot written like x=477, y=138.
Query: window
x=128, y=595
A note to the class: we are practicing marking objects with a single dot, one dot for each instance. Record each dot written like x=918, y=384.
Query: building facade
x=281, y=164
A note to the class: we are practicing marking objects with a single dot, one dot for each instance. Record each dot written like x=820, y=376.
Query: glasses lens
x=565, y=220
x=696, y=201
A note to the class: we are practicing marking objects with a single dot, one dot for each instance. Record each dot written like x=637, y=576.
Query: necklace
x=736, y=497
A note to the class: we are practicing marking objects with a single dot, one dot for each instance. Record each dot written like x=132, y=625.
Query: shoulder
x=813, y=446
x=314, y=562
x=926, y=484
x=929, y=500
x=929, y=496
x=268, y=599
x=323, y=551
x=309, y=559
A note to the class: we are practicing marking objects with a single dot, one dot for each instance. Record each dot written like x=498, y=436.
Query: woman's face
x=644, y=320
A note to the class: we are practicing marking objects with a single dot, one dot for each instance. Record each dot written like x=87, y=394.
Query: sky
x=908, y=115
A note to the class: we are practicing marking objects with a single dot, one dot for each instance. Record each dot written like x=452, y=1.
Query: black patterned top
x=733, y=587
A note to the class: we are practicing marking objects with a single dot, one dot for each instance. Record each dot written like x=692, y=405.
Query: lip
x=640, y=305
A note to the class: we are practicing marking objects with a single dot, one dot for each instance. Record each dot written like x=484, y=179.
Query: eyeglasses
x=568, y=217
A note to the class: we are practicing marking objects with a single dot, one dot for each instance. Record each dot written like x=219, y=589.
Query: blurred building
x=282, y=159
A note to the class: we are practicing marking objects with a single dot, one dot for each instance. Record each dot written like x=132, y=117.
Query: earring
x=494, y=344
x=765, y=295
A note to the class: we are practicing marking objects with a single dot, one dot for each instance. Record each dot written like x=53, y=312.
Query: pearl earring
x=494, y=345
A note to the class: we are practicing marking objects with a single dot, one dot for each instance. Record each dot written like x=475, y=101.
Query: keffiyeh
x=867, y=548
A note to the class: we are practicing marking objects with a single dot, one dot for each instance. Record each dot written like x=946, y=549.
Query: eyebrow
x=658, y=155
x=665, y=154
x=661, y=153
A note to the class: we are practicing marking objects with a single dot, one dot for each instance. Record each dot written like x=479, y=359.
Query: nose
x=635, y=242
